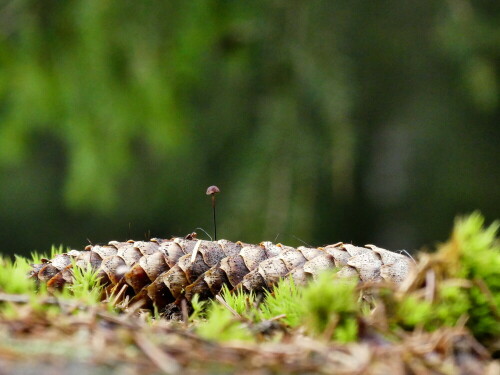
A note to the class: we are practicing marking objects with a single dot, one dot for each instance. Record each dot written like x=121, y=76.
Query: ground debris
x=98, y=342
x=441, y=319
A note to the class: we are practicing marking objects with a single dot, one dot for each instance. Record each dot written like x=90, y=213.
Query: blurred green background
x=324, y=121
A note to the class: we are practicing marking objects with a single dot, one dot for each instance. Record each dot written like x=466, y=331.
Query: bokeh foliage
x=347, y=120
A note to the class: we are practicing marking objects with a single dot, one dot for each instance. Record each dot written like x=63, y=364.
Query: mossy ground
x=444, y=319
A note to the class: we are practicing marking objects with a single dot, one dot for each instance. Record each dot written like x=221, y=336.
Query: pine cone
x=159, y=272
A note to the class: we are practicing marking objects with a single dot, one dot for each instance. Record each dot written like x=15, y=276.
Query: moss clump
x=465, y=287
x=412, y=311
x=330, y=305
x=220, y=325
x=284, y=299
x=474, y=252
x=13, y=276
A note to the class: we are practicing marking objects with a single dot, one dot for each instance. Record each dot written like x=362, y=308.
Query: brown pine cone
x=159, y=272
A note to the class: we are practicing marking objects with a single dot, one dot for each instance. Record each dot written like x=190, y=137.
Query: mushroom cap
x=213, y=190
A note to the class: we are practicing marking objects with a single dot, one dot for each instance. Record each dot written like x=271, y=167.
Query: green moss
x=221, y=325
x=471, y=257
x=450, y=304
x=199, y=308
x=286, y=299
x=479, y=261
x=243, y=303
x=347, y=331
x=412, y=311
x=326, y=304
x=85, y=287
x=36, y=257
x=330, y=301
x=13, y=276
x=453, y=303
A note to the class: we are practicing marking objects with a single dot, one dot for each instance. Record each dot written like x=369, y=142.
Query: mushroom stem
x=212, y=190
x=215, y=221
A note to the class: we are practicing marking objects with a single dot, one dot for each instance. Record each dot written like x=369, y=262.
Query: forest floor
x=444, y=321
